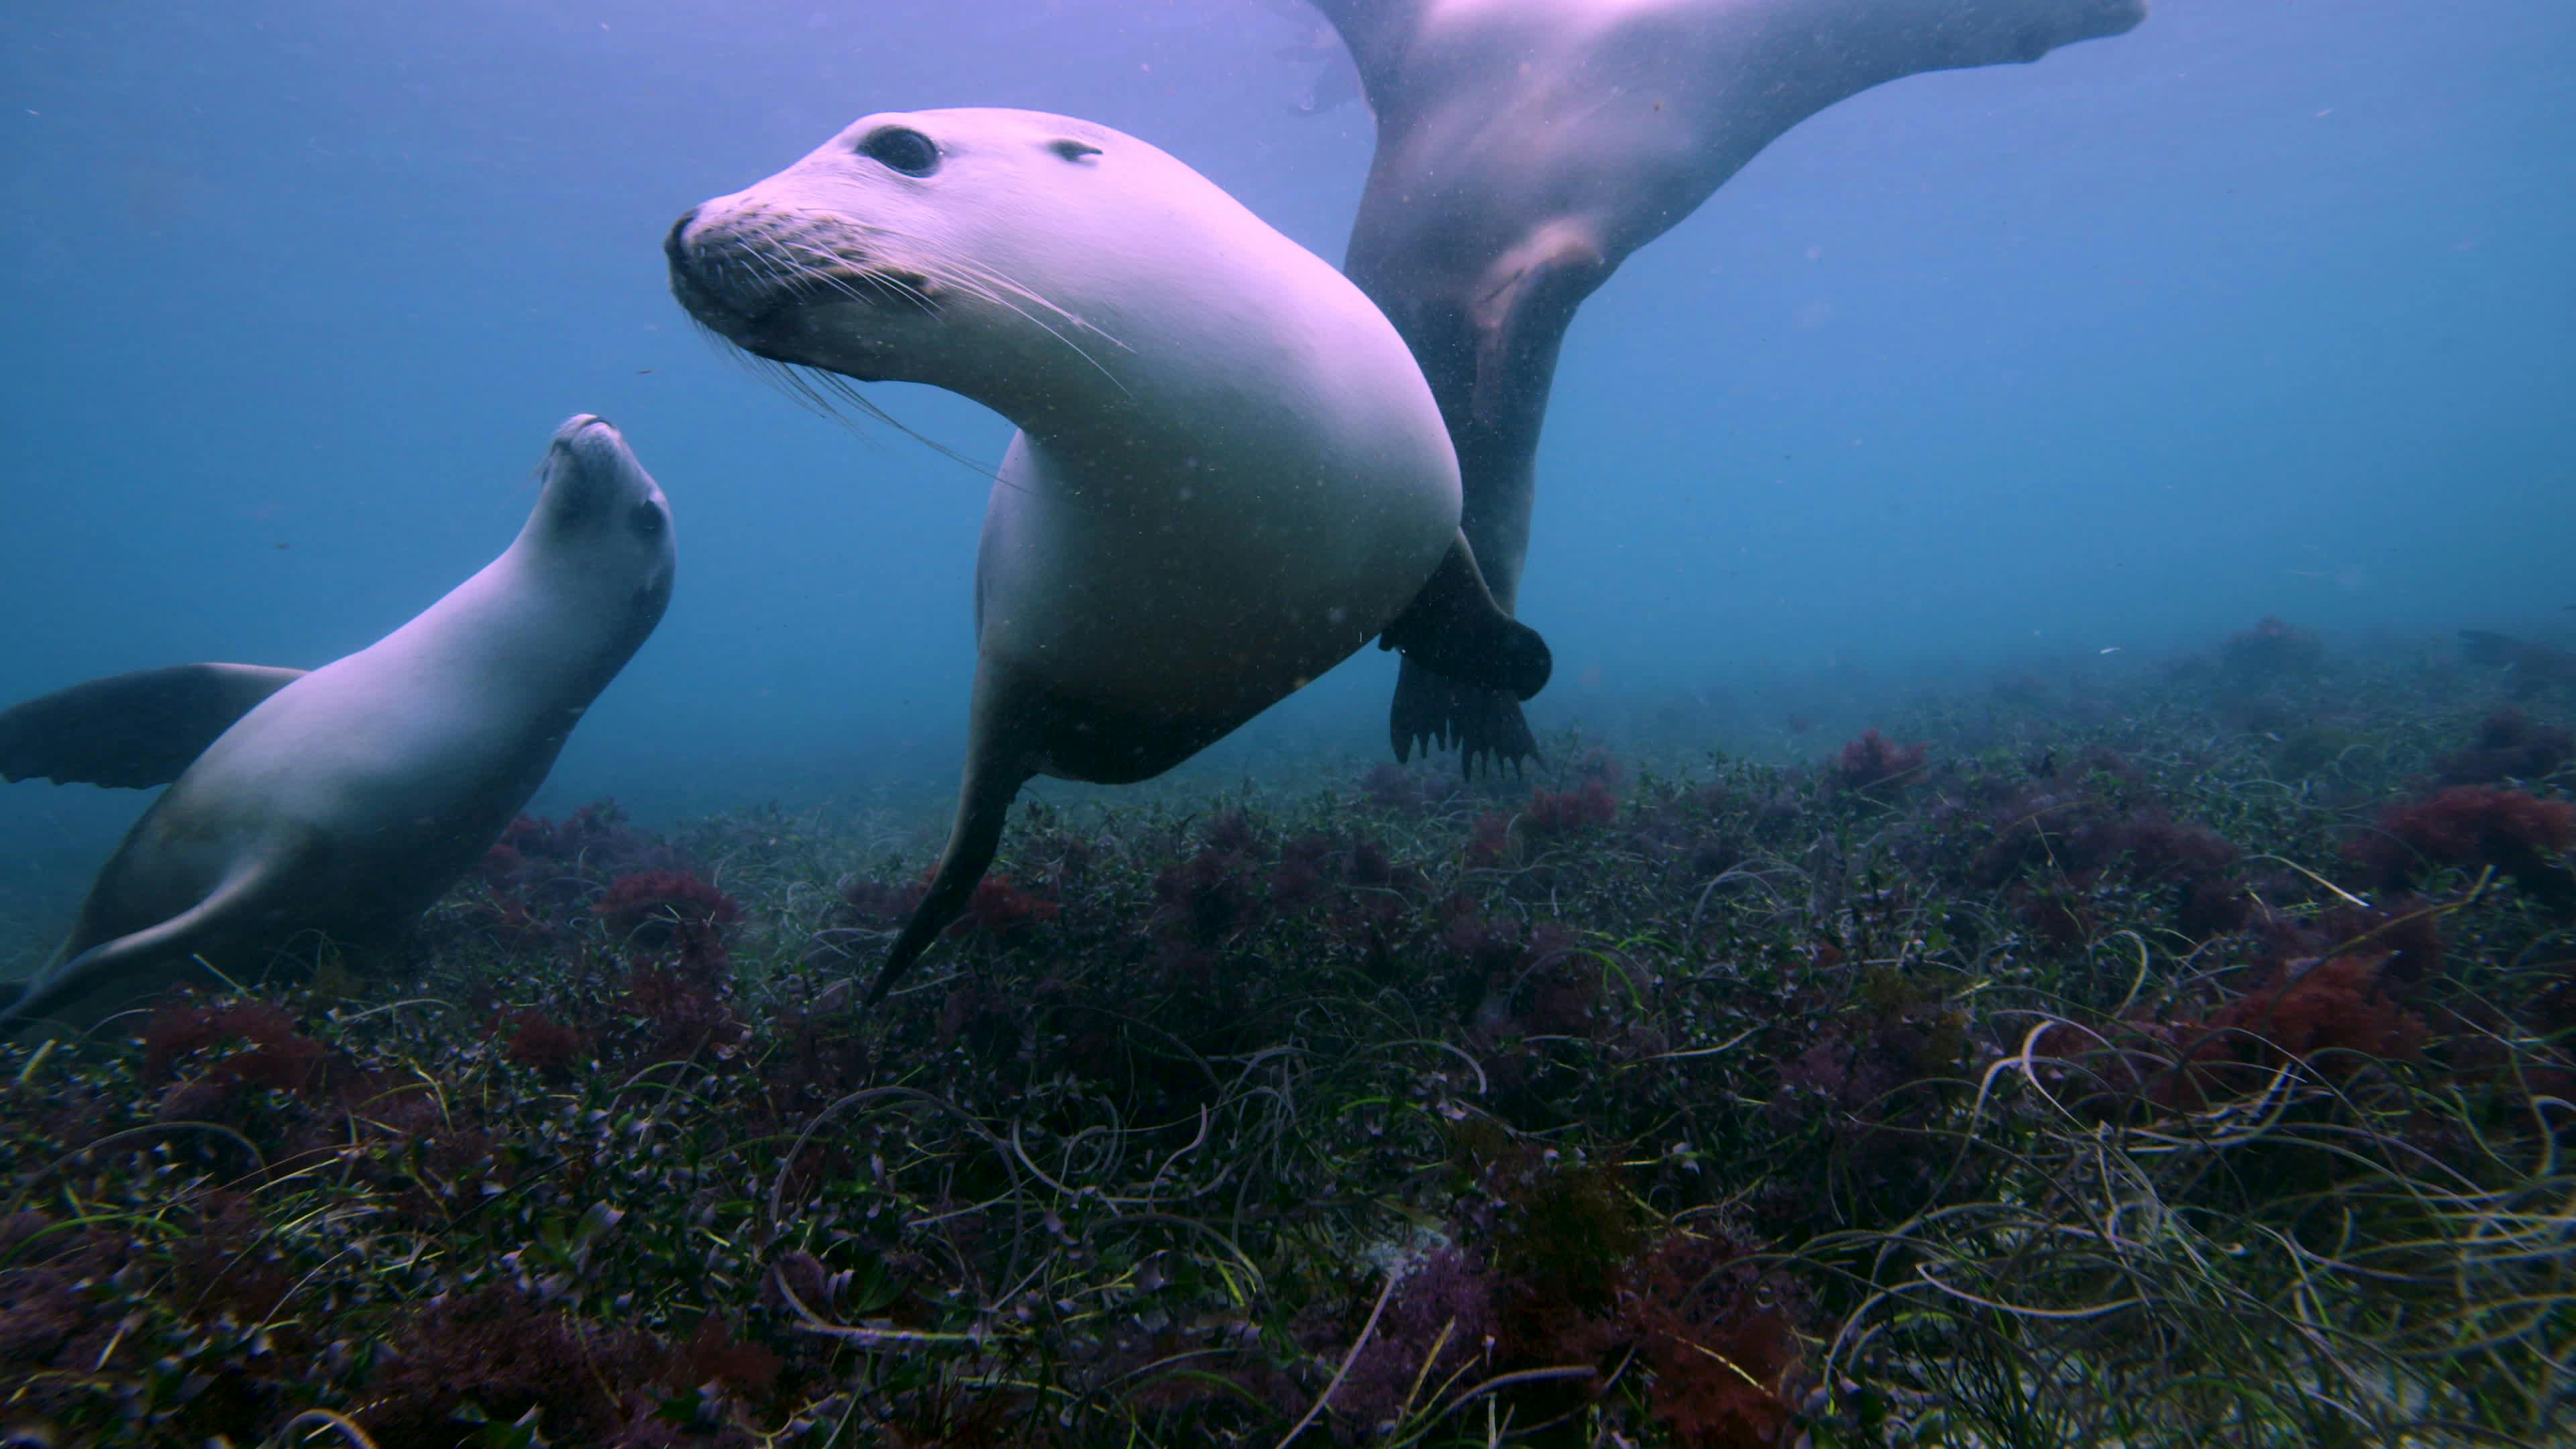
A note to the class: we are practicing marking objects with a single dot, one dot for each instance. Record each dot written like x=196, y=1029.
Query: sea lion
x=1228, y=474
x=345, y=800
x=1526, y=147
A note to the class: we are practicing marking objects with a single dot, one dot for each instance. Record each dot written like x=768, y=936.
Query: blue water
x=2264, y=308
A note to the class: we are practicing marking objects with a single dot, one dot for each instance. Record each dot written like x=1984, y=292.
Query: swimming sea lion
x=1526, y=147
x=344, y=801
x=1228, y=475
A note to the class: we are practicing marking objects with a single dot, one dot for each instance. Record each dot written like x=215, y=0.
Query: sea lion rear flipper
x=132, y=730
x=1454, y=627
x=1529, y=299
x=1433, y=710
x=983, y=802
x=161, y=955
x=1375, y=31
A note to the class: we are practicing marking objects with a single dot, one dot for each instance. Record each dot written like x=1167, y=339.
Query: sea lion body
x=1526, y=148
x=1229, y=472
x=347, y=799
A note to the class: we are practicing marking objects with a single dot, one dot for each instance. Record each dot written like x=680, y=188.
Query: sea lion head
x=976, y=250
x=601, y=524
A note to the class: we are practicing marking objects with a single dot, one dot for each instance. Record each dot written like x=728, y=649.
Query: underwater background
x=2261, y=309
x=2032, y=927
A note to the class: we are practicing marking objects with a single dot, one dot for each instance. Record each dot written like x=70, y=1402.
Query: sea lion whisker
x=823, y=393
x=977, y=279
x=813, y=263
x=765, y=263
x=779, y=375
x=1011, y=287
x=788, y=380
x=803, y=385
x=848, y=391
x=957, y=269
x=854, y=283
x=990, y=292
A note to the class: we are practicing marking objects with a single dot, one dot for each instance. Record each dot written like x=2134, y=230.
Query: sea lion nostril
x=672, y=247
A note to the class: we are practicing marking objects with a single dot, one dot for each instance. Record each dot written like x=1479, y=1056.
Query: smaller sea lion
x=345, y=800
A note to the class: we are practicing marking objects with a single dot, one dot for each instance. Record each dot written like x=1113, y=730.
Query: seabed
x=2178, y=1062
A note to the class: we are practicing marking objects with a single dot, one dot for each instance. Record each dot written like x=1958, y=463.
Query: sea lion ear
x=1073, y=150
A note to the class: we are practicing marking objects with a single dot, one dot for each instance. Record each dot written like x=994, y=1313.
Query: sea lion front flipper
x=993, y=780
x=134, y=730
x=1454, y=627
x=1432, y=710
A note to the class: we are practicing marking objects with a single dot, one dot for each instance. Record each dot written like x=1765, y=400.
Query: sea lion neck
x=1102, y=442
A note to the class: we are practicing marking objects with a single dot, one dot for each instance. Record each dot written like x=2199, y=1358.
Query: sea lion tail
x=983, y=802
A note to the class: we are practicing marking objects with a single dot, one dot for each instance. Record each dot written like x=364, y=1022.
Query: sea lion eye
x=902, y=148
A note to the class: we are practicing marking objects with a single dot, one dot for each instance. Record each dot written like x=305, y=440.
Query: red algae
x=2472, y=827
x=660, y=907
x=1873, y=762
x=1719, y=1334
x=268, y=1049
x=1489, y=839
x=1004, y=907
x=2336, y=1008
x=1554, y=814
x=2509, y=746
x=538, y=1040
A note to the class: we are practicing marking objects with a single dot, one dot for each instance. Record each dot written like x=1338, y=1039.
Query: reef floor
x=2188, y=1062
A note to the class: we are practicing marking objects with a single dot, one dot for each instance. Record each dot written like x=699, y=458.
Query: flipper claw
x=1433, y=711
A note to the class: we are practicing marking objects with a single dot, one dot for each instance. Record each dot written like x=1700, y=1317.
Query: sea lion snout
x=742, y=270
x=593, y=445
x=716, y=271
x=792, y=281
x=671, y=244
x=697, y=280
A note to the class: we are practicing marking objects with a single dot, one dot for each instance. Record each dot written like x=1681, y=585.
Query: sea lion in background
x=1337, y=82
x=1228, y=476
x=344, y=801
x=1526, y=147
